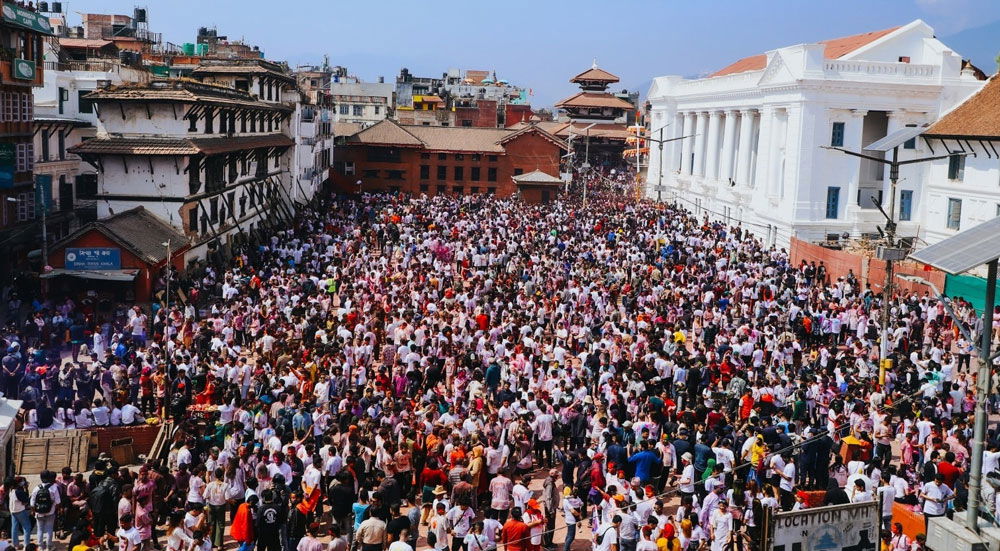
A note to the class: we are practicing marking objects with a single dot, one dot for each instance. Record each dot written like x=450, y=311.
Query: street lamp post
x=890, y=253
x=660, y=142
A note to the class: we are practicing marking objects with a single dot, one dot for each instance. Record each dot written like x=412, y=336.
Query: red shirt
x=516, y=535
x=949, y=472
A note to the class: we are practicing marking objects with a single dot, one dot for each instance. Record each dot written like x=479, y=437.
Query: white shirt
x=788, y=481
x=940, y=494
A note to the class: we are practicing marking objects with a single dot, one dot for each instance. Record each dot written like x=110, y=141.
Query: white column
x=701, y=122
x=853, y=130
x=764, y=153
x=728, y=146
x=712, y=146
x=688, y=149
x=744, y=149
x=677, y=147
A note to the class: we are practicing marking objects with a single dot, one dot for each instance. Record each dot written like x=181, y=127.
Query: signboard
x=852, y=527
x=8, y=160
x=24, y=69
x=43, y=194
x=94, y=258
x=14, y=14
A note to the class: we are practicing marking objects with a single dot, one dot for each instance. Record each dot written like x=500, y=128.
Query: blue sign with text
x=94, y=258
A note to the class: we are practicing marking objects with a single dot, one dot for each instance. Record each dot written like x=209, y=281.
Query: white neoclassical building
x=757, y=128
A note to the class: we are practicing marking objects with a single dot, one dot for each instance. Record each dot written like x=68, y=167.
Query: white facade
x=312, y=129
x=230, y=189
x=755, y=148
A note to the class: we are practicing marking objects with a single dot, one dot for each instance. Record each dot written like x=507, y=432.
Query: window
x=193, y=218
x=45, y=145
x=394, y=174
x=458, y=190
x=956, y=167
x=441, y=189
x=518, y=171
x=459, y=157
x=371, y=173
x=466, y=123
x=475, y=173
x=424, y=188
x=491, y=190
x=344, y=108
x=491, y=174
x=474, y=190
x=954, y=214
x=27, y=108
x=378, y=109
x=837, y=135
x=442, y=173
x=383, y=154
x=832, y=202
x=906, y=205
x=459, y=173
x=25, y=206
x=442, y=156
x=910, y=144
x=477, y=157
x=62, y=145
x=425, y=155
x=25, y=157
x=491, y=158
x=209, y=120
x=86, y=104
x=425, y=172
x=63, y=97
x=358, y=110
x=213, y=210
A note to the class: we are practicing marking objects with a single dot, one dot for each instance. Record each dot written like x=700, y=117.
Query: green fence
x=971, y=288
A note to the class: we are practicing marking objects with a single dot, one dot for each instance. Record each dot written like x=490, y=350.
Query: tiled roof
x=537, y=177
x=386, y=132
x=976, y=117
x=458, y=138
x=177, y=146
x=83, y=43
x=593, y=74
x=182, y=91
x=137, y=230
x=143, y=233
x=601, y=130
x=594, y=99
x=346, y=128
x=835, y=49
x=444, y=138
x=239, y=70
x=135, y=146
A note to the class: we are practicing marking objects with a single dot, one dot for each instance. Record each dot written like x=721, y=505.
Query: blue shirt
x=644, y=462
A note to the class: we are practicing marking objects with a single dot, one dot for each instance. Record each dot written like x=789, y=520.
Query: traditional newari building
x=593, y=114
x=436, y=160
x=758, y=127
x=209, y=160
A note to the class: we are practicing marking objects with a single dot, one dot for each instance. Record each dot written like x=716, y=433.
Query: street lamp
x=890, y=252
x=660, y=142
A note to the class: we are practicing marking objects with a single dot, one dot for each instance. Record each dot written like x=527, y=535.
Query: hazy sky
x=540, y=44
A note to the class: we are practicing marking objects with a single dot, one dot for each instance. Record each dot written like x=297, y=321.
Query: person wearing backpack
x=44, y=503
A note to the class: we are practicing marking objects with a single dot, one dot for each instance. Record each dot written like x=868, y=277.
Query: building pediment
x=777, y=71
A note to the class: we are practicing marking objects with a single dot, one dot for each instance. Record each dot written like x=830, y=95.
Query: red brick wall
x=142, y=437
x=527, y=152
x=483, y=115
x=866, y=269
x=514, y=114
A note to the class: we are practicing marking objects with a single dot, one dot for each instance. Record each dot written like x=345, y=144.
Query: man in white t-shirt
x=936, y=496
x=127, y=536
x=606, y=538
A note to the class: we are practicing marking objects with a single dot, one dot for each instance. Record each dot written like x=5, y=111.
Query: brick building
x=436, y=160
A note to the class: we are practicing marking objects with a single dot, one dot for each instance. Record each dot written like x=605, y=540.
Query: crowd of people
x=476, y=373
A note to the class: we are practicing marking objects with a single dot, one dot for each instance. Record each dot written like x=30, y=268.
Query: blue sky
x=540, y=44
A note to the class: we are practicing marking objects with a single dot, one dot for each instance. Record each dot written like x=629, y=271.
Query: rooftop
x=182, y=90
x=446, y=138
x=137, y=230
x=976, y=117
x=835, y=49
x=594, y=74
x=594, y=99
x=177, y=146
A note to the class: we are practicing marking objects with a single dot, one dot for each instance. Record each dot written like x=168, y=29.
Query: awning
x=106, y=275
